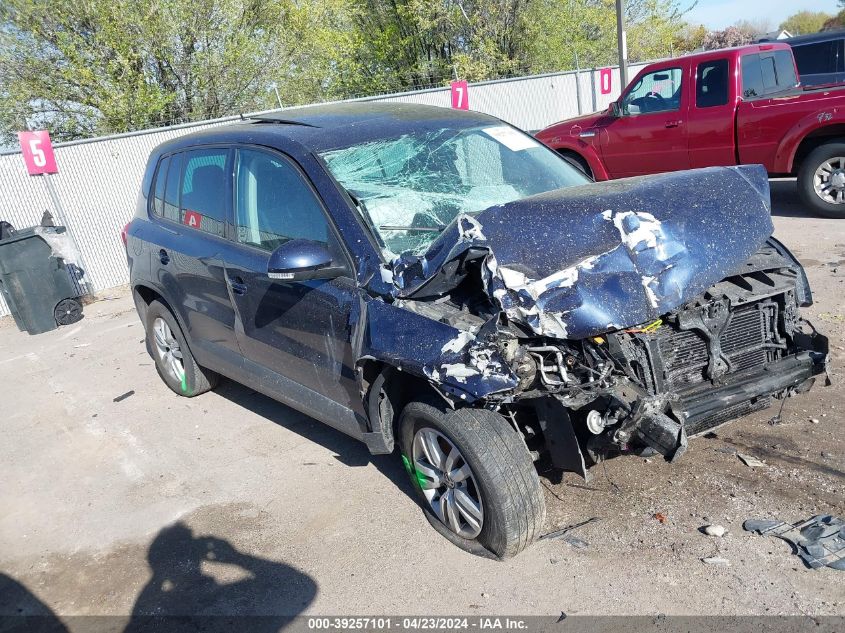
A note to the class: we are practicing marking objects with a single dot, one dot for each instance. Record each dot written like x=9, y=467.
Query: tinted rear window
x=158, y=187
x=767, y=73
x=752, y=79
x=819, y=58
x=171, y=191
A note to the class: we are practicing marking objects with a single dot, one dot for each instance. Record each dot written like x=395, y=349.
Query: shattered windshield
x=409, y=188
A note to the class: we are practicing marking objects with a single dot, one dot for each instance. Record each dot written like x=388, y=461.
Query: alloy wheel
x=829, y=180
x=168, y=350
x=448, y=483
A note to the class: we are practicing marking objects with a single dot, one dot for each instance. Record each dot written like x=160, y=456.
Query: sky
x=717, y=14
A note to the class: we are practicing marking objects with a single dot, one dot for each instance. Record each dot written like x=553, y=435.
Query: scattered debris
x=124, y=396
x=661, y=517
x=81, y=345
x=575, y=542
x=716, y=560
x=562, y=617
x=819, y=541
x=777, y=419
x=715, y=530
x=814, y=420
x=567, y=529
x=750, y=460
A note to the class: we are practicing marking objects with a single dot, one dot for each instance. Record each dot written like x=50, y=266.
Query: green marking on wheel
x=413, y=472
x=184, y=383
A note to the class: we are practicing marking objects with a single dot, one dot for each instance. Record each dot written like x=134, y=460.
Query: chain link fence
x=99, y=179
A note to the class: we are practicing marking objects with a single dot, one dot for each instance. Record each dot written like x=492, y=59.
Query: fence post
x=593, y=88
x=578, y=84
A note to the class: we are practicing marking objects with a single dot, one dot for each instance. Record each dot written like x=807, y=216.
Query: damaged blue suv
x=439, y=280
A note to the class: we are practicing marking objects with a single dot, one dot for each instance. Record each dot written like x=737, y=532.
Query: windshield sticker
x=510, y=138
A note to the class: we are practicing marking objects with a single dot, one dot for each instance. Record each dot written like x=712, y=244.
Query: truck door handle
x=164, y=257
x=238, y=285
x=673, y=123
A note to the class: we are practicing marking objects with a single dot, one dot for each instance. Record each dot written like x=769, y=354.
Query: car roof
x=330, y=126
x=824, y=36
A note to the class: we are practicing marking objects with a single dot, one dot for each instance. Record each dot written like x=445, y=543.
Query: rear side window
x=203, y=199
x=767, y=73
x=752, y=78
x=819, y=58
x=711, y=84
x=158, y=186
x=171, y=189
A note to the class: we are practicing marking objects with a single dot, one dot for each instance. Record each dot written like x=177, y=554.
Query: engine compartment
x=731, y=351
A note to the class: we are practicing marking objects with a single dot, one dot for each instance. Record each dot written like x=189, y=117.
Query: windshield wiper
x=427, y=229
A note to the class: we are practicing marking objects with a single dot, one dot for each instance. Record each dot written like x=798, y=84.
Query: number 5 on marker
x=37, y=152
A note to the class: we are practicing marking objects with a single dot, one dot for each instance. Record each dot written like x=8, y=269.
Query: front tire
x=474, y=476
x=173, y=359
x=821, y=180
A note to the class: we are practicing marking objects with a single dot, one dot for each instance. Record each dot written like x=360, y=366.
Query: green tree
x=94, y=67
x=588, y=28
x=805, y=22
x=101, y=66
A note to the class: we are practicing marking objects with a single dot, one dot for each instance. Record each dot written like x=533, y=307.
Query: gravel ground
x=231, y=503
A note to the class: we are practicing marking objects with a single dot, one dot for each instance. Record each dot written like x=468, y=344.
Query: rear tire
x=502, y=474
x=807, y=180
x=173, y=359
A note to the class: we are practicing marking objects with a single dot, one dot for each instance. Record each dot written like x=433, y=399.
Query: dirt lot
x=232, y=503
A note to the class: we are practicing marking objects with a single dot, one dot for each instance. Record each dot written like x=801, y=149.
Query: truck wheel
x=821, y=180
x=474, y=475
x=174, y=361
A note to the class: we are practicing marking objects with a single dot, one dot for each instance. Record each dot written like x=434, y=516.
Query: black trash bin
x=35, y=280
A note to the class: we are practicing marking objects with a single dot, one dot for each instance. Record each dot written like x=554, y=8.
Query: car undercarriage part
x=819, y=541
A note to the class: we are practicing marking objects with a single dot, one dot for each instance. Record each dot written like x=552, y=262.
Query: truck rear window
x=767, y=73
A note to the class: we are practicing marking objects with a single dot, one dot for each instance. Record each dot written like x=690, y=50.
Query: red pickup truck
x=727, y=107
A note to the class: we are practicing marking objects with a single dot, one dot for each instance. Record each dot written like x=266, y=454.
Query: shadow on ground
x=183, y=594
x=786, y=203
x=348, y=451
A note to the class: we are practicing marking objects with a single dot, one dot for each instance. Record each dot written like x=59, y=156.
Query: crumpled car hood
x=581, y=261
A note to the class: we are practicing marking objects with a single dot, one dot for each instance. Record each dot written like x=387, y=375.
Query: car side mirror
x=298, y=260
x=614, y=110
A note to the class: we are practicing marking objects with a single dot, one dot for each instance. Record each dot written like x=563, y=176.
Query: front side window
x=203, y=200
x=409, y=188
x=711, y=84
x=274, y=205
x=658, y=91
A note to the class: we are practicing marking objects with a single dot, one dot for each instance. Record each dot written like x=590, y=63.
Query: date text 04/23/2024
x=418, y=623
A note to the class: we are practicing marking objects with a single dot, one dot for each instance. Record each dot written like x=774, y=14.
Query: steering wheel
x=658, y=101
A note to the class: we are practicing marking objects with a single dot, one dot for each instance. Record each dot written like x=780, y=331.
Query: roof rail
x=275, y=118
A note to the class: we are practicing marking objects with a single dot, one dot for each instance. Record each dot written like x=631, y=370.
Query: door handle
x=673, y=123
x=238, y=285
x=163, y=257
